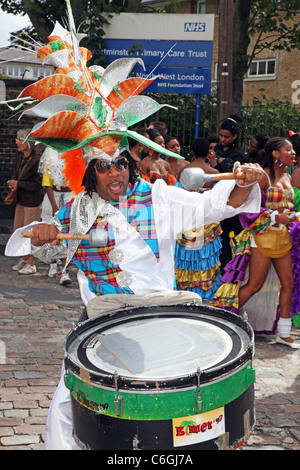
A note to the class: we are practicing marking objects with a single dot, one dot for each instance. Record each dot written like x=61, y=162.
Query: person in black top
x=228, y=150
x=255, y=148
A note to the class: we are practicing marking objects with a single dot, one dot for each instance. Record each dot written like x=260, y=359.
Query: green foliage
x=277, y=23
x=272, y=116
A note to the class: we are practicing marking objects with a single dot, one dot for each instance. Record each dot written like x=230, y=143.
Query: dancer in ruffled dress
x=197, y=252
x=260, y=275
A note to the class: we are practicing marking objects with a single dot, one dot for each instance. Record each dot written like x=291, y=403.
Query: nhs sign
x=194, y=27
x=162, y=27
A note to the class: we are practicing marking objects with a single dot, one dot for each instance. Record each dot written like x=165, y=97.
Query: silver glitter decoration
x=117, y=72
x=90, y=153
x=124, y=279
x=83, y=215
x=48, y=252
x=108, y=211
x=59, y=58
x=116, y=256
x=133, y=110
x=56, y=104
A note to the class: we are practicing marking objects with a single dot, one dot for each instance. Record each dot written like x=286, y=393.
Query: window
x=262, y=68
x=201, y=8
x=16, y=70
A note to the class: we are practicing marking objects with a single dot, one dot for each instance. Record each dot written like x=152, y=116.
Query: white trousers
x=58, y=434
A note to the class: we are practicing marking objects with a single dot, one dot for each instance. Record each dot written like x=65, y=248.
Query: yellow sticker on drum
x=198, y=428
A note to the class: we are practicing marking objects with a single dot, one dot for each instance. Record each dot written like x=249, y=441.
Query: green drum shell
x=156, y=404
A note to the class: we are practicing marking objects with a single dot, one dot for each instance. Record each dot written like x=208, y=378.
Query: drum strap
x=106, y=303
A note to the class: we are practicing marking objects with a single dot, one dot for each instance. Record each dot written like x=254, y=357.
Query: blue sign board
x=177, y=80
x=165, y=53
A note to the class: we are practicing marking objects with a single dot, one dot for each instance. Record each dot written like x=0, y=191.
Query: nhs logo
x=194, y=27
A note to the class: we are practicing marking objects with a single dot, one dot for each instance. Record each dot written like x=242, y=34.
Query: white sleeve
x=191, y=210
x=18, y=245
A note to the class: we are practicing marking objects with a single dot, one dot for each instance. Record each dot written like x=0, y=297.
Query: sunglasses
x=104, y=166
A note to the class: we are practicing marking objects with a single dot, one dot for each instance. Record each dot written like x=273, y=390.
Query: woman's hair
x=25, y=133
x=160, y=126
x=231, y=124
x=275, y=143
x=153, y=133
x=295, y=139
x=261, y=139
x=200, y=147
x=90, y=181
x=213, y=138
x=168, y=139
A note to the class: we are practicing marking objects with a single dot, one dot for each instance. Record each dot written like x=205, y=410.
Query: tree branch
x=42, y=29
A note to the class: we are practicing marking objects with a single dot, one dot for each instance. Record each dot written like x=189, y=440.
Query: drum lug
x=118, y=401
x=197, y=397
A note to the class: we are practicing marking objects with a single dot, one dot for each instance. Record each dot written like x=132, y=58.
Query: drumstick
x=96, y=238
x=220, y=176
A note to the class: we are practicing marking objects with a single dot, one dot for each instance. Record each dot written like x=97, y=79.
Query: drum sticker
x=198, y=428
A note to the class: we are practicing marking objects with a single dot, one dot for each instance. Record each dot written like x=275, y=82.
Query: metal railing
x=272, y=117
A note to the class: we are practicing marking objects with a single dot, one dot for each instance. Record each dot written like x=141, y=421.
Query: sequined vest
x=98, y=264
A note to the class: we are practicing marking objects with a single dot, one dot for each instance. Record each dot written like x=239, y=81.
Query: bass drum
x=148, y=378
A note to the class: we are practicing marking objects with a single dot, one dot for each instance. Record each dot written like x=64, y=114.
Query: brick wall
x=285, y=82
x=9, y=125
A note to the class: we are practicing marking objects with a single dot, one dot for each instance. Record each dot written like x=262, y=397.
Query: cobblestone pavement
x=36, y=313
x=35, y=316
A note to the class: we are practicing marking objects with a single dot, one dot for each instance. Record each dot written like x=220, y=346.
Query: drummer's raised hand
x=44, y=233
x=246, y=176
x=249, y=173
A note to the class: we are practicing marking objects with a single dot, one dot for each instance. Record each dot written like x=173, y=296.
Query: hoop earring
x=278, y=162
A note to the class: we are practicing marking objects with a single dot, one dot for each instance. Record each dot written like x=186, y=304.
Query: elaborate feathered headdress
x=87, y=110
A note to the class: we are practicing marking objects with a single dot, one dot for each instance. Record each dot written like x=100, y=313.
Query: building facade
x=18, y=63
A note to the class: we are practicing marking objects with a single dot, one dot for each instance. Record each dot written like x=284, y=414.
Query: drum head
x=158, y=344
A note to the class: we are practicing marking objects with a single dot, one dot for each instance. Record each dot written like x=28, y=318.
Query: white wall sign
x=164, y=26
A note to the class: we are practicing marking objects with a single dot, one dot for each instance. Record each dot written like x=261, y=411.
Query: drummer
x=142, y=222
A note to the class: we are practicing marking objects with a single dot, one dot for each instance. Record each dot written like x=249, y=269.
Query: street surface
x=36, y=313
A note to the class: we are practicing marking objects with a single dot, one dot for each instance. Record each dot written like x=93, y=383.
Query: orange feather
x=74, y=169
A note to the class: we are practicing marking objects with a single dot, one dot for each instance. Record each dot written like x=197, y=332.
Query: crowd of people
x=218, y=261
